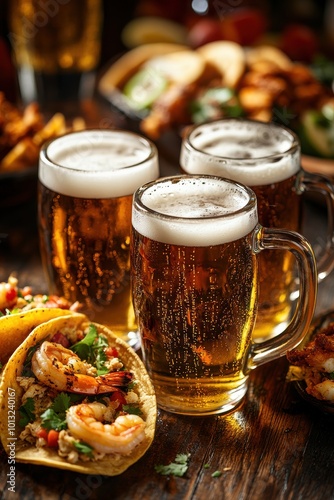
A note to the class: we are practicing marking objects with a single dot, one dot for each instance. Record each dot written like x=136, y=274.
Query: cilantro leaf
x=27, y=412
x=84, y=448
x=51, y=420
x=217, y=473
x=83, y=348
x=92, y=349
x=55, y=416
x=132, y=410
x=177, y=468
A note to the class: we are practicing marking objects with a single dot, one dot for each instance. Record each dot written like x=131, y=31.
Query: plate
x=300, y=386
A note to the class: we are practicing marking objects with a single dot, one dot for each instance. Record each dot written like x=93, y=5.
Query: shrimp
x=61, y=369
x=85, y=422
x=318, y=354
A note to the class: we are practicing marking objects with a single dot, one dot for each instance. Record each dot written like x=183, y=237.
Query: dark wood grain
x=273, y=447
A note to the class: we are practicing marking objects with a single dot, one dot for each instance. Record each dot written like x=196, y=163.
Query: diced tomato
x=120, y=398
x=53, y=438
x=11, y=294
x=111, y=352
x=59, y=338
x=43, y=433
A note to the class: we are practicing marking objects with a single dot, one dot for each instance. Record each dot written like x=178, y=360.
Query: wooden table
x=274, y=447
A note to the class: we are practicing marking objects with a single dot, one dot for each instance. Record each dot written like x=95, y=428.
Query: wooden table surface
x=274, y=447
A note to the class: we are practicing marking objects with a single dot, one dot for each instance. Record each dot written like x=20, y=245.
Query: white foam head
x=194, y=211
x=98, y=163
x=250, y=152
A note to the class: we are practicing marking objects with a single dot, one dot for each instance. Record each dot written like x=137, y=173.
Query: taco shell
x=15, y=327
x=11, y=394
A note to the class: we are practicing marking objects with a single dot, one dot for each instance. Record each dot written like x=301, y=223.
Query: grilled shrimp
x=85, y=422
x=61, y=369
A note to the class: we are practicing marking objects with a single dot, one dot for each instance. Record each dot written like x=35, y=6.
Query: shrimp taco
x=21, y=311
x=73, y=396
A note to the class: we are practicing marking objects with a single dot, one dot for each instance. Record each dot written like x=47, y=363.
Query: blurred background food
x=293, y=85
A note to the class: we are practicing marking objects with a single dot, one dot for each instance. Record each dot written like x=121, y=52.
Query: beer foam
x=249, y=152
x=98, y=164
x=195, y=212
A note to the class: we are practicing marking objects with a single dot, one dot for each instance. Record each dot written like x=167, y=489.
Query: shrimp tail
x=113, y=381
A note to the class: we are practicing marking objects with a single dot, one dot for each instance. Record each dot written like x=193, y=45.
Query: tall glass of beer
x=86, y=183
x=194, y=254
x=265, y=157
x=57, y=46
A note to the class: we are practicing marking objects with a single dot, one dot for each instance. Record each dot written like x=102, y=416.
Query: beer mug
x=194, y=253
x=57, y=45
x=86, y=183
x=265, y=157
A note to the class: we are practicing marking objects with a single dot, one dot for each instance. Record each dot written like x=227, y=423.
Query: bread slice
x=228, y=58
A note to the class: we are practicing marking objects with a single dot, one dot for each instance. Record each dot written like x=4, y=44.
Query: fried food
x=315, y=364
x=267, y=85
x=22, y=134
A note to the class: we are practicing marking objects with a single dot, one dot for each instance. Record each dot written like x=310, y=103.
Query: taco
x=21, y=311
x=75, y=397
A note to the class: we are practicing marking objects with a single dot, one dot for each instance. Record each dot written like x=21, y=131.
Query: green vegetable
x=55, y=416
x=132, y=410
x=84, y=448
x=144, y=88
x=215, y=103
x=217, y=473
x=177, y=468
x=317, y=132
x=27, y=412
x=92, y=349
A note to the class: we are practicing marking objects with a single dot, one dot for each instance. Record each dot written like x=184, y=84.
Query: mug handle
x=321, y=184
x=281, y=239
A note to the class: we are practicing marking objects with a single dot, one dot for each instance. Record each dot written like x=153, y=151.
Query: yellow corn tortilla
x=110, y=465
x=15, y=327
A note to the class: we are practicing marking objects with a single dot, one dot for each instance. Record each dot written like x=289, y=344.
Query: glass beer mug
x=86, y=183
x=265, y=157
x=195, y=248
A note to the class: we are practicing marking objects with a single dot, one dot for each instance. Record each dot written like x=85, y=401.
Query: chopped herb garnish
x=132, y=410
x=177, y=468
x=217, y=473
x=92, y=349
x=27, y=412
x=206, y=466
x=55, y=416
x=84, y=448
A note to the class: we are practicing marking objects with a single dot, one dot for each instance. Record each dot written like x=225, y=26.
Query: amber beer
x=195, y=289
x=56, y=34
x=266, y=158
x=86, y=183
x=56, y=44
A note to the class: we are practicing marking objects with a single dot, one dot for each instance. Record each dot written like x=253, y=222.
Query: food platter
x=318, y=324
